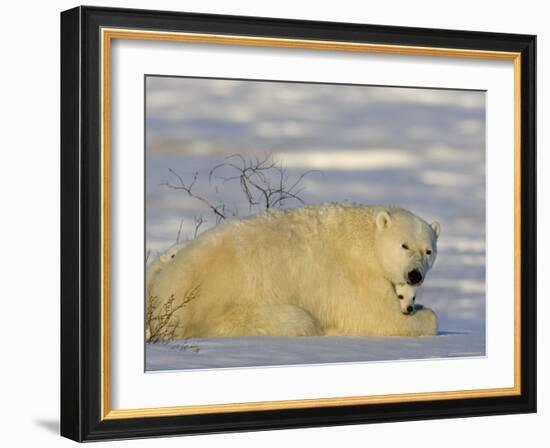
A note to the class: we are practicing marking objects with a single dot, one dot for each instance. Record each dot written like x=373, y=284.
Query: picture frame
x=87, y=172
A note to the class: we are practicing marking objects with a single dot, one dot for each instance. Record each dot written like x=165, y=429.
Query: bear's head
x=405, y=245
x=171, y=253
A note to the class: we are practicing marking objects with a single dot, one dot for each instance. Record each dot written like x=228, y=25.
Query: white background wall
x=29, y=192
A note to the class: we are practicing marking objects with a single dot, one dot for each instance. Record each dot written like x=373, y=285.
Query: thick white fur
x=305, y=271
x=158, y=263
x=406, y=294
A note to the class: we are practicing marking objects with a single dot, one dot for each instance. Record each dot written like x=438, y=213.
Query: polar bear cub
x=158, y=263
x=407, y=296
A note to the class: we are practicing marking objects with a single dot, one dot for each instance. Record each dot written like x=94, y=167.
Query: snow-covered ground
x=273, y=351
x=421, y=149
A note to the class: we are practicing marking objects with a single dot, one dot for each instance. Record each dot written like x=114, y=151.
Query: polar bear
x=158, y=263
x=305, y=271
x=407, y=296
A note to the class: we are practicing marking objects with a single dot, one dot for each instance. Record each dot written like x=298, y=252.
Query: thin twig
x=217, y=209
x=179, y=232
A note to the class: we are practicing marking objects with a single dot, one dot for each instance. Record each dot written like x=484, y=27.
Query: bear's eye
x=429, y=252
x=404, y=246
x=400, y=296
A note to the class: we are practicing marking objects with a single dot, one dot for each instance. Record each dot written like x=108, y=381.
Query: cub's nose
x=410, y=309
x=414, y=277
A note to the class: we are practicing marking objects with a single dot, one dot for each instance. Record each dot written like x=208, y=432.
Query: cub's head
x=407, y=297
x=405, y=245
x=171, y=253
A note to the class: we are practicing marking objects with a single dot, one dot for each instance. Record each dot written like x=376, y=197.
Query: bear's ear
x=436, y=228
x=383, y=220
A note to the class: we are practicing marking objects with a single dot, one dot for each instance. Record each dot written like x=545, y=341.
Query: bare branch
x=199, y=221
x=216, y=209
x=179, y=232
x=255, y=178
x=301, y=177
x=263, y=181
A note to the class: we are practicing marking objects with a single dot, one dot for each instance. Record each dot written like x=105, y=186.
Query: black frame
x=80, y=224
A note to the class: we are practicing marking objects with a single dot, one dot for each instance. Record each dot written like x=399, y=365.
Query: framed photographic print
x=273, y=223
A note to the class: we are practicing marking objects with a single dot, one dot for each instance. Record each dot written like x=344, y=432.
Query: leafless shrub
x=263, y=182
x=161, y=321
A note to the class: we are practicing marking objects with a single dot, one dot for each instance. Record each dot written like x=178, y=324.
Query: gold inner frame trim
x=107, y=35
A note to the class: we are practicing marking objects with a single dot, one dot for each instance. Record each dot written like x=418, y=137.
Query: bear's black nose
x=415, y=277
x=410, y=309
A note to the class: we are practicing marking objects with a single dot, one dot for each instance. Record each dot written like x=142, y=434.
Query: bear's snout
x=410, y=310
x=414, y=277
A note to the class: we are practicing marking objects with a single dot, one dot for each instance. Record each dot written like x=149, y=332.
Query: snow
x=421, y=149
x=273, y=351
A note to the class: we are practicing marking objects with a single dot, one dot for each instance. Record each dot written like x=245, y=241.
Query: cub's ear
x=383, y=220
x=436, y=227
